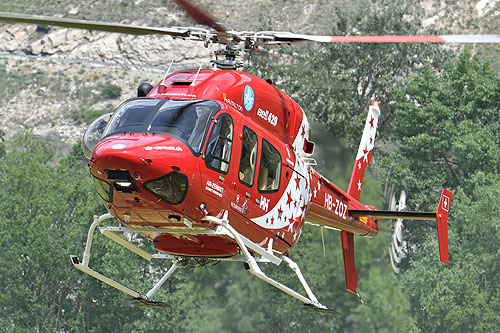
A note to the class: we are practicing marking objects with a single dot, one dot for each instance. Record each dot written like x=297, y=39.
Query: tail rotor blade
x=394, y=267
x=392, y=202
x=402, y=201
x=397, y=236
x=395, y=255
x=396, y=249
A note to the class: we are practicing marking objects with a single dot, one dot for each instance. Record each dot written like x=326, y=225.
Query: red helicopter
x=216, y=164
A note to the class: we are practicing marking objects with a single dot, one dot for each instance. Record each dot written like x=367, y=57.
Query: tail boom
x=334, y=208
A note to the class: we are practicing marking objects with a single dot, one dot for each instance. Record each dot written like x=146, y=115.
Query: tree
x=46, y=206
x=448, y=136
x=336, y=82
x=38, y=214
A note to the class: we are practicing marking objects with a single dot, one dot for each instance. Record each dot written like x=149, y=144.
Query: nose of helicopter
x=142, y=164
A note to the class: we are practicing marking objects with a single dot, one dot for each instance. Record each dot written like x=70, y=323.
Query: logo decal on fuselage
x=248, y=98
x=170, y=148
x=214, y=188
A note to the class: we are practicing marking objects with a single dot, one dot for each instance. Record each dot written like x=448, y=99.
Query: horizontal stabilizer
x=441, y=217
x=391, y=214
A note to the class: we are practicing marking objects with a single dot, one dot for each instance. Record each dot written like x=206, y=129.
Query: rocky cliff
x=50, y=78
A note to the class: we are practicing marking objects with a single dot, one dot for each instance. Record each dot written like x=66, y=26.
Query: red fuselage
x=201, y=144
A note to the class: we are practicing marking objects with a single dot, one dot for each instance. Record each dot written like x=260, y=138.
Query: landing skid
x=251, y=261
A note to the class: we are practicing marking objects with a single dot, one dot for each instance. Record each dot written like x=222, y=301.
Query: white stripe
x=321, y=39
x=471, y=38
x=368, y=132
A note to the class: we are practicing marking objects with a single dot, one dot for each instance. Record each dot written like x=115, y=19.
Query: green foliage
x=336, y=82
x=448, y=135
x=38, y=219
x=46, y=206
x=87, y=116
x=447, y=132
x=463, y=297
x=450, y=121
x=109, y=90
x=15, y=80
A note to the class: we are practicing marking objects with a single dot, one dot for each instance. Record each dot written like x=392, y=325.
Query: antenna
x=323, y=241
x=168, y=72
x=196, y=76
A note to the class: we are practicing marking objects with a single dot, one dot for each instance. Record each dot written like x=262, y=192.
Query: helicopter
x=217, y=164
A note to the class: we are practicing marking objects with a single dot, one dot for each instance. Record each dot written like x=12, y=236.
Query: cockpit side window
x=220, y=143
x=248, y=158
x=204, y=111
x=270, y=168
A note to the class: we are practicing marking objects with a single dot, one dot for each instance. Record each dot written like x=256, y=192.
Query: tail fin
x=442, y=224
x=351, y=275
x=364, y=155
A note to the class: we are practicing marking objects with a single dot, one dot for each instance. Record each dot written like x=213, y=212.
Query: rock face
x=44, y=96
x=100, y=46
x=47, y=108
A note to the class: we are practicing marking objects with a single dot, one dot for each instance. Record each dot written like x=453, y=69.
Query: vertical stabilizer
x=364, y=155
x=351, y=275
x=442, y=224
x=363, y=158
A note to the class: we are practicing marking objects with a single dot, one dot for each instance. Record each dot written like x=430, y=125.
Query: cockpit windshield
x=185, y=120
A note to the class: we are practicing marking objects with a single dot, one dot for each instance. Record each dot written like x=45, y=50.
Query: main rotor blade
x=203, y=18
x=92, y=25
x=199, y=16
x=464, y=39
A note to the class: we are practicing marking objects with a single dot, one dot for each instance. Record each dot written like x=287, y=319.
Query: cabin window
x=270, y=168
x=248, y=157
x=220, y=143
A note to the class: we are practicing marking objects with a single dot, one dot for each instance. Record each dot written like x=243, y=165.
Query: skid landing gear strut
x=310, y=302
x=140, y=300
x=224, y=228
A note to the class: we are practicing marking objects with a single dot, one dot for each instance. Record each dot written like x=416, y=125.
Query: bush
x=109, y=90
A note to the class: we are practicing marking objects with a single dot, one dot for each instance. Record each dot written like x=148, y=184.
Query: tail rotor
x=397, y=248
